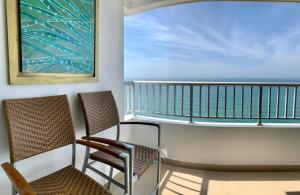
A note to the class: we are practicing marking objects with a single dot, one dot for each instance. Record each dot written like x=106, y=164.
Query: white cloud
x=174, y=45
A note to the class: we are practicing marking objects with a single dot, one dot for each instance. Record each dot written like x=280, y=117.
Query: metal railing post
x=127, y=90
x=133, y=99
x=260, y=106
x=191, y=103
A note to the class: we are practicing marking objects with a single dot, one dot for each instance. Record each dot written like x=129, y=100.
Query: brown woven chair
x=101, y=113
x=38, y=125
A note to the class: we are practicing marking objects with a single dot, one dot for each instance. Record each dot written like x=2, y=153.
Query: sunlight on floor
x=180, y=181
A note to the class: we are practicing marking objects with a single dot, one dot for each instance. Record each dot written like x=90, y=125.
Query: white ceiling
x=135, y=6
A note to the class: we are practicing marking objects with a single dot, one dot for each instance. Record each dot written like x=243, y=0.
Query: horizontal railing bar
x=217, y=83
x=165, y=114
x=222, y=117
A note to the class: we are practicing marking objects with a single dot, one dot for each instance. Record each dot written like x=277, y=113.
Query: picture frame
x=74, y=67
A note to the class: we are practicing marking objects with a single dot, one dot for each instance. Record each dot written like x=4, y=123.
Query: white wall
x=226, y=145
x=111, y=73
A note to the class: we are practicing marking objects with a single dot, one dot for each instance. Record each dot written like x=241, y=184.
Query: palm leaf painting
x=58, y=36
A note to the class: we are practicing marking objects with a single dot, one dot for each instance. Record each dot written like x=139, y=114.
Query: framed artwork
x=52, y=41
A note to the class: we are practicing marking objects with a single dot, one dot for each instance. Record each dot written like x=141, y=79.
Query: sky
x=214, y=41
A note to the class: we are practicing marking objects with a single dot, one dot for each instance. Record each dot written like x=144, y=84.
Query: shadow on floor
x=293, y=193
x=176, y=182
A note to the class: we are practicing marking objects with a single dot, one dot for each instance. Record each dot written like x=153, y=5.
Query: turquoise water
x=57, y=36
x=282, y=108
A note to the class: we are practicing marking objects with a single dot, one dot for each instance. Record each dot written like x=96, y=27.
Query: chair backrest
x=100, y=111
x=38, y=125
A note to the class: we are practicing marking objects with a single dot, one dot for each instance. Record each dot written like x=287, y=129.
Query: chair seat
x=68, y=181
x=143, y=158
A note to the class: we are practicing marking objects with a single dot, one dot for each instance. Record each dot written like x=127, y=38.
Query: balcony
x=219, y=127
x=217, y=138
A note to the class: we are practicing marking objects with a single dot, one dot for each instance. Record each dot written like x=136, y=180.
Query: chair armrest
x=117, y=144
x=102, y=148
x=141, y=123
x=19, y=182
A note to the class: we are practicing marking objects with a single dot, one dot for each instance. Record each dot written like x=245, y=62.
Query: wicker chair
x=101, y=113
x=38, y=125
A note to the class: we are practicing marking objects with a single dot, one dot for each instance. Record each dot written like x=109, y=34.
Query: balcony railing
x=214, y=101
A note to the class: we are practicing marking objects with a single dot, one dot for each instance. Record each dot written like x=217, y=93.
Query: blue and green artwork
x=58, y=36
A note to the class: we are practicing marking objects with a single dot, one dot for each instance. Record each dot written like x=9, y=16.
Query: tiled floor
x=177, y=181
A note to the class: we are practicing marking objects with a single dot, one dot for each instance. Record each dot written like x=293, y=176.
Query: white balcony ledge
x=211, y=124
x=230, y=145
